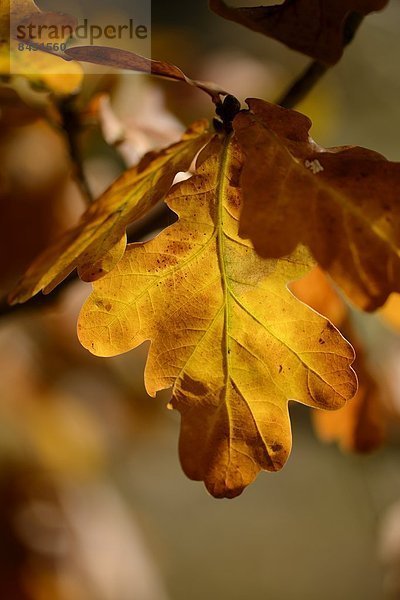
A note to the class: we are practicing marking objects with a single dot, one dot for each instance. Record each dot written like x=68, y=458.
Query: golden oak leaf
x=340, y=202
x=98, y=241
x=226, y=332
x=360, y=426
x=317, y=28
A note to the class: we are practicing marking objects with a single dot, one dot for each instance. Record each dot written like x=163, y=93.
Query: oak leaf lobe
x=225, y=331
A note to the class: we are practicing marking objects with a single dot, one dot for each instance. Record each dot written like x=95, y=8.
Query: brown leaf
x=123, y=59
x=315, y=27
x=340, y=202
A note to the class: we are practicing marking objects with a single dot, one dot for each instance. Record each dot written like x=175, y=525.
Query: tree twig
x=71, y=125
x=39, y=301
x=316, y=70
x=303, y=85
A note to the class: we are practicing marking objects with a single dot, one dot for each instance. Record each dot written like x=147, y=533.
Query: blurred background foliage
x=93, y=504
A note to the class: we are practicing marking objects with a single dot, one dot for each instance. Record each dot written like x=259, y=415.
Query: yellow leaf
x=40, y=68
x=98, y=242
x=226, y=332
x=341, y=202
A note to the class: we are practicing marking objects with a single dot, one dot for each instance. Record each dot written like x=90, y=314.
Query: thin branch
x=71, y=125
x=316, y=70
x=39, y=301
x=303, y=85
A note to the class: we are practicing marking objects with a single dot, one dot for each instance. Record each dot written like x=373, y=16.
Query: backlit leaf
x=225, y=331
x=343, y=203
x=96, y=244
x=315, y=27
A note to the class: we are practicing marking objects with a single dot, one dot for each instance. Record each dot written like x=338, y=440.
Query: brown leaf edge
x=271, y=22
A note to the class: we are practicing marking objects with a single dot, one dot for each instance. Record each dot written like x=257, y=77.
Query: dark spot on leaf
x=234, y=201
x=103, y=305
x=276, y=447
